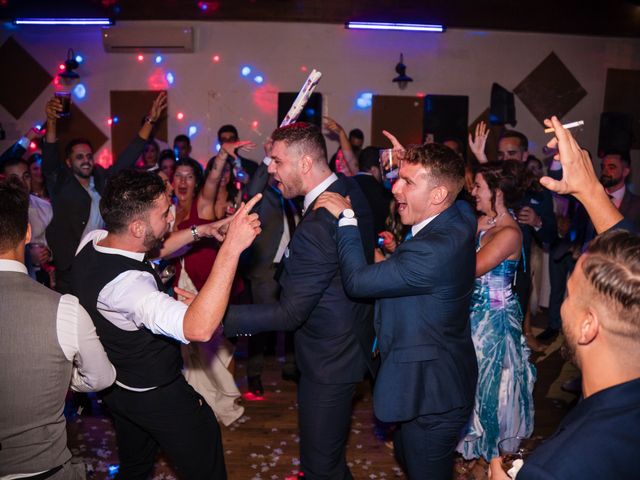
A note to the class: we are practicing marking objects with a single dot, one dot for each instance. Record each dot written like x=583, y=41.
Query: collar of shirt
x=419, y=226
x=12, y=266
x=96, y=236
x=310, y=197
x=365, y=173
x=618, y=195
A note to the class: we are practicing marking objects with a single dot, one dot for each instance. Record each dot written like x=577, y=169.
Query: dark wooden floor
x=263, y=444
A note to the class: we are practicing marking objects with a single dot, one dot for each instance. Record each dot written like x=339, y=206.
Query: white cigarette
x=566, y=125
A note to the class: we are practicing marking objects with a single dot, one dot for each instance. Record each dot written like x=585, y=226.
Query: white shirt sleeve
x=92, y=370
x=132, y=301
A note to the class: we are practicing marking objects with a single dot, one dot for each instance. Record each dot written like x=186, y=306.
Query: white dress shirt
x=40, y=215
x=78, y=340
x=415, y=229
x=310, y=197
x=132, y=301
x=617, y=196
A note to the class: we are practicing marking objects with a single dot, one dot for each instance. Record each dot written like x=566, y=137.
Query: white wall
x=458, y=62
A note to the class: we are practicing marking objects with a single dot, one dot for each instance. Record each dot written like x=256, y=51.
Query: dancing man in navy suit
x=428, y=374
x=333, y=332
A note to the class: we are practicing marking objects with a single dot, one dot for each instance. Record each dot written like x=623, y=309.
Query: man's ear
x=137, y=228
x=27, y=237
x=68, y=162
x=589, y=327
x=306, y=163
x=439, y=194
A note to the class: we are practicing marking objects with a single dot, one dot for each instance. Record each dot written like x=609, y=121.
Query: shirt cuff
x=266, y=160
x=343, y=222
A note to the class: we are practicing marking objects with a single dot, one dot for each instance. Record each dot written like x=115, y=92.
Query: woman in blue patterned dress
x=504, y=401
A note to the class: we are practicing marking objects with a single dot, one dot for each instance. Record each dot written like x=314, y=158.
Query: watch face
x=348, y=213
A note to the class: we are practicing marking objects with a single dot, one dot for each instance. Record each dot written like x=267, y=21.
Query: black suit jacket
x=598, y=439
x=630, y=207
x=422, y=297
x=270, y=211
x=70, y=201
x=334, y=333
x=379, y=199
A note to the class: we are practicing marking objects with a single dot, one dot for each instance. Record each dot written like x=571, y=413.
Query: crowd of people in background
x=421, y=278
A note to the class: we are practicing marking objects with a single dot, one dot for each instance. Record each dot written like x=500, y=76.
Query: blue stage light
x=80, y=91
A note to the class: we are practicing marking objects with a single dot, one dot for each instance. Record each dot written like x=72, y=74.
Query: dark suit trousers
x=324, y=420
x=266, y=291
x=425, y=446
x=174, y=417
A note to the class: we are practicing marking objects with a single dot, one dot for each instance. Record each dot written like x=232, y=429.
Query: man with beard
x=75, y=186
x=141, y=327
x=616, y=168
x=333, y=333
x=599, y=438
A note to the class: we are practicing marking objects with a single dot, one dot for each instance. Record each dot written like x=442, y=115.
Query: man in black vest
x=141, y=327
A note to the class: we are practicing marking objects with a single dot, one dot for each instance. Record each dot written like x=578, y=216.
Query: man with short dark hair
x=536, y=217
x=599, y=438
x=615, y=171
x=40, y=214
x=182, y=147
x=76, y=185
x=513, y=145
x=333, y=333
x=427, y=378
x=141, y=327
x=47, y=342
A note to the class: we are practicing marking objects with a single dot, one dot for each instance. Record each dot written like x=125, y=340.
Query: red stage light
x=252, y=398
x=180, y=116
x=61, y=67
x=110, y=121
x=33, y=145
x=140, y=58
x=254, y=124
x=216, y=58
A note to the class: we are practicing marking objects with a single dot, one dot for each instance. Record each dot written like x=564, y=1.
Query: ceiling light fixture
x=63, y=21
x=408, y=27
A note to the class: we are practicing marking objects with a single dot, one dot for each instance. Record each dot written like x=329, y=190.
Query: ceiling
x=604, y=17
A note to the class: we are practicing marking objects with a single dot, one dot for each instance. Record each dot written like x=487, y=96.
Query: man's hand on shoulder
x=333, y=202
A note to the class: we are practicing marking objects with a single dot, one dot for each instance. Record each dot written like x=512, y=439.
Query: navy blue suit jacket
x=422, y=297
x=333, y=332
x=598, y=439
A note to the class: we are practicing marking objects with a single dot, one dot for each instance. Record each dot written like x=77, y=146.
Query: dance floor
x=263, y=444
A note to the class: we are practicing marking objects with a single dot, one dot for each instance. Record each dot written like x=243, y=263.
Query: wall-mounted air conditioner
x=128, y=39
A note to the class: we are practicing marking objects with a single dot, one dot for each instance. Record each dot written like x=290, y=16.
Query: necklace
x=493, y=220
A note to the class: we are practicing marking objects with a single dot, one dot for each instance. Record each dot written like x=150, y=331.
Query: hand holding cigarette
x=566, y=126
x=579, y=178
